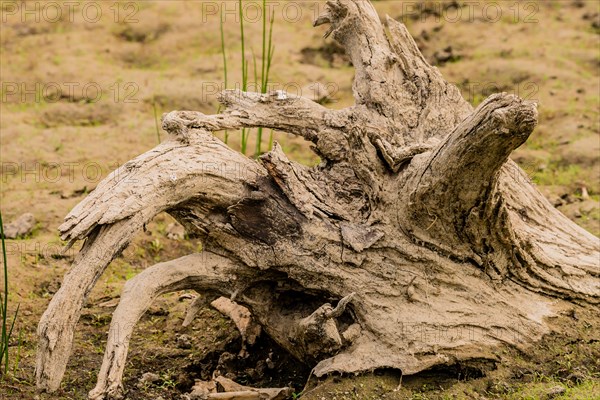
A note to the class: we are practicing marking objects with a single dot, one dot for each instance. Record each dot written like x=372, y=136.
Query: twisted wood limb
x=392, y=77
x=463, y=167
x=205, y=272
x=242, y=318
x=58, y=323
x=275, y=110
x=113, y=213
x=461, y=171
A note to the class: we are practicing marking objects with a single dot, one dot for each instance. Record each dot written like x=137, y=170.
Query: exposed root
x=204, y=272
x=57, y=325
x=193, y=310
x=318, y=333
x=109, y=218
x=242, y=319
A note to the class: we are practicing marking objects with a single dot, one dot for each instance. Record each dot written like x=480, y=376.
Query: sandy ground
x=80, y=94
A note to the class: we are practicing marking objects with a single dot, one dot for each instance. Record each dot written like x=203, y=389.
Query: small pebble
x=555, y=391
x=148, y=378
x=20, y=227
x=184, y=342
x=186, y=296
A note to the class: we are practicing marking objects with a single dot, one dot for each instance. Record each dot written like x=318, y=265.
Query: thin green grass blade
x=4, y=352
x=6, y=334
x=224, y=53
x=12, y=325
x=255, y=71
x=266, y=70
x=271, y=51
x=260, y=130
x=244, y=61
x=258, y=150
x=264, y=44
x=156, y=120
x=18, y=357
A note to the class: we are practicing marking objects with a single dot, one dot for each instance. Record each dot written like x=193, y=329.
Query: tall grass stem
x=6, y=331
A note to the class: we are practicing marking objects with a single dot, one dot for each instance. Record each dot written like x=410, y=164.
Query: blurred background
x=84, y=83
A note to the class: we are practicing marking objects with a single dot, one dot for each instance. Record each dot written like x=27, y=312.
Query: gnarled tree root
x=212, y=276
x=436, y=247
x=204, y=272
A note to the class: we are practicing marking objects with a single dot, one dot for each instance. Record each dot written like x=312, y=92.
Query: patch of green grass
x=167, y=380
x=156, y=247
x=567, y=175
x=587, y=390
x=539, y=140
x=120, y=270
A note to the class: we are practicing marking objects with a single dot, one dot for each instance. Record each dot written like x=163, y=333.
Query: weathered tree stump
x=416, y=242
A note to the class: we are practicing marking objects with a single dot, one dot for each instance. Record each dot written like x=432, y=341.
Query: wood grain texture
x=438, y=246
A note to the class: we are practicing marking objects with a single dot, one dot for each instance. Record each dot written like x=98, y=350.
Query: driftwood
x=234, y=391
x=416, y=242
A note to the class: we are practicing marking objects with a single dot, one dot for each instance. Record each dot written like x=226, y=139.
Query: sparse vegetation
x=266, y=56
x=8, y=322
